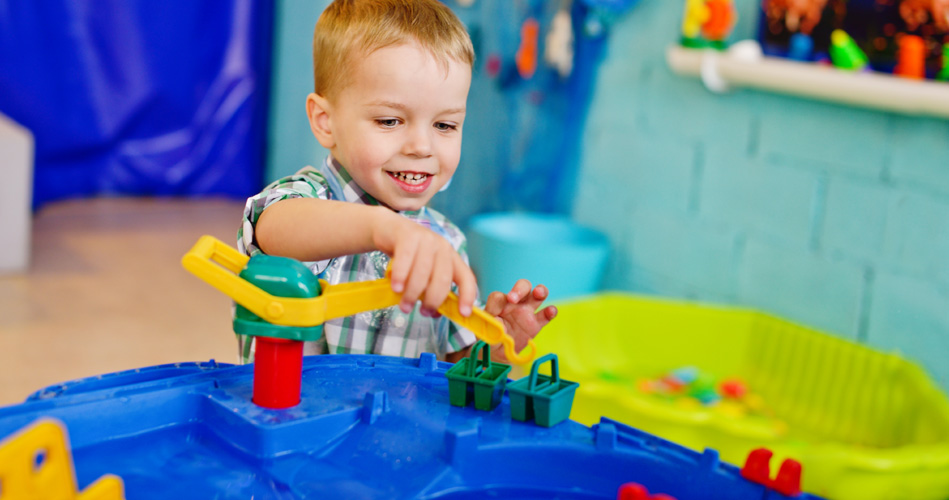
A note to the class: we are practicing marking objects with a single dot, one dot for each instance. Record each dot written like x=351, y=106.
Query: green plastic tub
x=483, y=381
x=865, y=424
x=545, y=399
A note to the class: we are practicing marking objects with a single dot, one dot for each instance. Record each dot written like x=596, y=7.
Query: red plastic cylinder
x=911, y=57
x=278, y=371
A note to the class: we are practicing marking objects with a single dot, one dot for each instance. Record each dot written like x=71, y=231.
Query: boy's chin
x=404, y=206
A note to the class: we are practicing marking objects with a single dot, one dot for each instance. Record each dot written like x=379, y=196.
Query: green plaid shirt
x=385, y=331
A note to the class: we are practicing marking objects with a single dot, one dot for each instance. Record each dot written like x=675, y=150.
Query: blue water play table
x=368, y=427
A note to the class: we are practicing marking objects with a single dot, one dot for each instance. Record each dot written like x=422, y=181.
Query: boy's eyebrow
x=403, y=107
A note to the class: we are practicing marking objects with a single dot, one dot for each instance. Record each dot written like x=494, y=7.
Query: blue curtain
x=139, y=97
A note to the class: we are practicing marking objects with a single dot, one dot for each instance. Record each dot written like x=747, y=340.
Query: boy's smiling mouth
x=411, y=179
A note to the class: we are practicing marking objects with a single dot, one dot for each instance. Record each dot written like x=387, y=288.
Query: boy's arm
x=424, y=264
x=314, y=229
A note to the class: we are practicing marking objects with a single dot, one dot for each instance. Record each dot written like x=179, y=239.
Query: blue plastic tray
x=368, y=427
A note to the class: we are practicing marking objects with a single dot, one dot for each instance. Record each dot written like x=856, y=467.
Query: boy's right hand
x=424, y=265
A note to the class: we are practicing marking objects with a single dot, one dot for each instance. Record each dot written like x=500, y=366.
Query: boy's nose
x=419, y=142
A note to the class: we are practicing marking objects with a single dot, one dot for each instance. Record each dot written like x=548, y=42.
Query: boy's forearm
x=310, y=229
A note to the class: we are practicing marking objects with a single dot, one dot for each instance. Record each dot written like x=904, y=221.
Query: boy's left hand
x=518, y=310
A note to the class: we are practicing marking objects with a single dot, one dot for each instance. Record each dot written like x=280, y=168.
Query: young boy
x=391, y=85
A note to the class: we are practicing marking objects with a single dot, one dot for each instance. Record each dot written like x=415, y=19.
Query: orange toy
x=526, y=57
x=911, y=58
x=720, y=21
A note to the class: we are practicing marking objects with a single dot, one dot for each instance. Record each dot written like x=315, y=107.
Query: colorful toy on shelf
x=483, y=381
x=36, y=463
x=757, y=469
x=944, y=71
x=284, y=322
x=801, y=47
x=911, y=57
x=844, y=52
x=707, y=23
x=547, y=399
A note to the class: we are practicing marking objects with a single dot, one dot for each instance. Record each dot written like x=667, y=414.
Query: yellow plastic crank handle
x=487, y=328
x=219, y=264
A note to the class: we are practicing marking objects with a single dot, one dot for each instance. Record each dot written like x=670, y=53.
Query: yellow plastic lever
x=23, y=478
x=219, y=264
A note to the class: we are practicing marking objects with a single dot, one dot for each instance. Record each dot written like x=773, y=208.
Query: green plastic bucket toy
x=547, y=399
x=865, y=425
x=482, y=379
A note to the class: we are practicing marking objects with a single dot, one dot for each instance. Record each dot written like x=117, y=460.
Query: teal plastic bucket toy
x=569, y=259
x=547, y=399
x=482, y=379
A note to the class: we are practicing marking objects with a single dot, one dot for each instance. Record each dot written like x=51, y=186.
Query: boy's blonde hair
x=348, y=29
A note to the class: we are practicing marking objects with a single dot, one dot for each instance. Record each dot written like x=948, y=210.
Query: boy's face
x=397, y=126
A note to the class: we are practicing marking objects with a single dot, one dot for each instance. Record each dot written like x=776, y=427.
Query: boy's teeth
x=410, y=178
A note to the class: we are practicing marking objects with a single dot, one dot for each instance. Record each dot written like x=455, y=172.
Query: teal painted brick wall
x=830, y=216
x=291, y=145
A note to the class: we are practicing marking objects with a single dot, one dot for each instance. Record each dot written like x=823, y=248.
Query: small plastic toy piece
x=526, y=57
x=547, y=399
x=844, y=52
x=733, y=388
x=801, y=47
x=707, y=23
x=757, y=470
x=911, y=57
x=484, y=379
x=696, y=13
x=559, y=43
x=493, y=65
x=282, y=322
x=721, y=20
x=636, y=491
x=36, y=463
x=944, y=72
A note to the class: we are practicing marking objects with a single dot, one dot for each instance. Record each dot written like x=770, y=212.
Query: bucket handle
x=485, y=357
x=554, y=371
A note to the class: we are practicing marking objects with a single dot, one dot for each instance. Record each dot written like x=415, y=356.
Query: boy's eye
x=444, y=127
x=387, y=122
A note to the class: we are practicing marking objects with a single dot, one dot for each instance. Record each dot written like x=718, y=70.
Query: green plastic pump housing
x=282, y=277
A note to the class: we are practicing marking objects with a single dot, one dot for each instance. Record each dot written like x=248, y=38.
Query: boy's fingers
x=418, y=278
x=549, y=313
x=439, y=283
x=520, y=290
x=402, y=258
x=495, y=303
x=541, y=293
x=467, y=286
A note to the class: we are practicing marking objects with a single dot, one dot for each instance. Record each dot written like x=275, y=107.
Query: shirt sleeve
x=307, y=183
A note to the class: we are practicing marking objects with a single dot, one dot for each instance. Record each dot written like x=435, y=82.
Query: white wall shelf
x=743, y=65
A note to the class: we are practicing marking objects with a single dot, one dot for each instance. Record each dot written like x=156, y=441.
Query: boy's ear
x=318, y=112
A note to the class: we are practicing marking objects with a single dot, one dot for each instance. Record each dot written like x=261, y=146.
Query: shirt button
x=399, y=321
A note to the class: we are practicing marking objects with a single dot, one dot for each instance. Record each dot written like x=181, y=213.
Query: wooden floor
x=106, y=292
